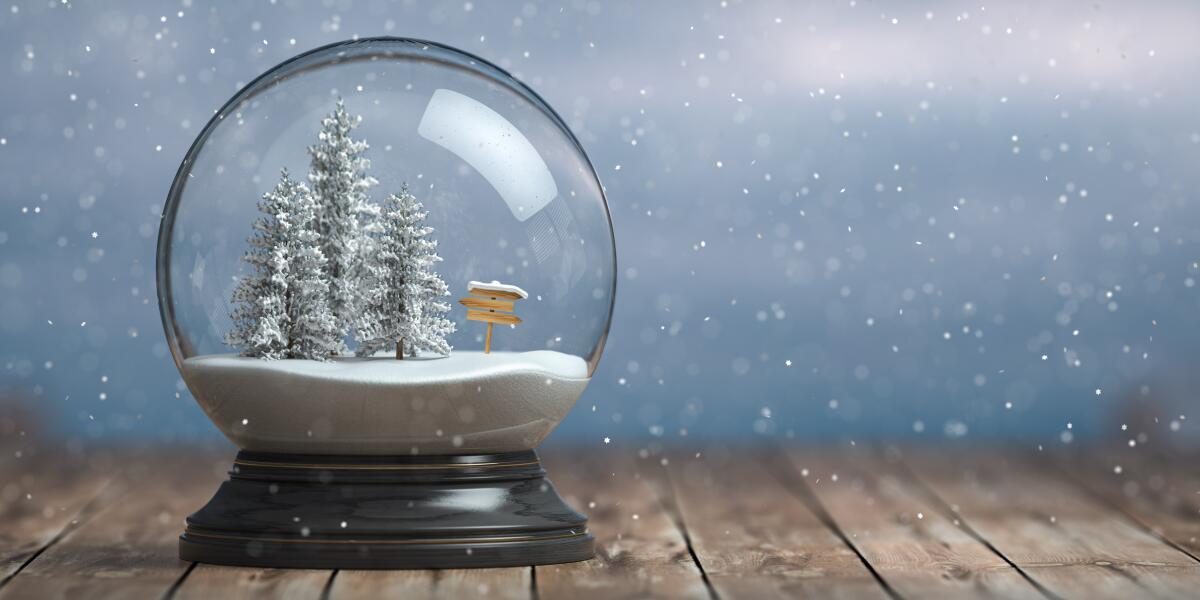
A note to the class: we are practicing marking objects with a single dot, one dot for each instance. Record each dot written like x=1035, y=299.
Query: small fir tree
x=402, y=290
x=282, y=305
x=315, y=331
x=339, y=180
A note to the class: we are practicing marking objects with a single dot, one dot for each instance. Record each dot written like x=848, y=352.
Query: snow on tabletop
x=496, y=286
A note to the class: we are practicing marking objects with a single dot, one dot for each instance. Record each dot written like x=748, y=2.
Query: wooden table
x=717, y=522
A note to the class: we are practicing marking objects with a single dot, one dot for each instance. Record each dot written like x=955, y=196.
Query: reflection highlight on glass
x=493, y=146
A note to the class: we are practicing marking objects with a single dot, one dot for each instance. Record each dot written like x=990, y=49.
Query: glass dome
x=506, y=192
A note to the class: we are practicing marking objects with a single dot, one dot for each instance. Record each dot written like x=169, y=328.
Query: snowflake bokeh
x=846, y=221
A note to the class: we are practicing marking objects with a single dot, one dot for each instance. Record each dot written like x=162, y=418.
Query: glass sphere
x=506, y=192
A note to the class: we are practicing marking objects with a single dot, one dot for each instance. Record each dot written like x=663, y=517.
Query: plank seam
x=533, y=589
x=1116, y=506
x=178, y=583
x=905, y=471
x=671, y=507
x=328, y=589
x=791, y=480
x=82, y=516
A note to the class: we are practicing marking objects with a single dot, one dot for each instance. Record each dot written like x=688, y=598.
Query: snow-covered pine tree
x=402, y=306
x=260, y=316
x=339, y=180
x=315, y=332
x=282, y=305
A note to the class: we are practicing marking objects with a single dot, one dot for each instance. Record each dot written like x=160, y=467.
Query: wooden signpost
x=492, y=303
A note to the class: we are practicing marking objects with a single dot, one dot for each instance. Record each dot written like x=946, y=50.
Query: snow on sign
x=492, y=303
x=493, y=146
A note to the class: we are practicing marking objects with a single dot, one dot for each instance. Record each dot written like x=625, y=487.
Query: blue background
x=835, y=221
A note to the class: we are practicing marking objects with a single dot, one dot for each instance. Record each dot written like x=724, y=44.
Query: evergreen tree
x=315, y=331
x=339, y=180
x=401, y=306
x=282, y=305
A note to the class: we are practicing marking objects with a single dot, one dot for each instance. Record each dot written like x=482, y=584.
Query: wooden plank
x=229, y=583
x=491, y=317
x=753, y=532
x=495, y=294
x=515, y=583
x=410, y=585
x=129, y=548
x=918, y=551
x=755, y=539
x=486, y=304
x=42, y=499
x=640, y=551
x=1065, y=540
x=1159, y=492
x=512, y=583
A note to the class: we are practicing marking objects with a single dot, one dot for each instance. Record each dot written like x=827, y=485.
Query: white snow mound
x=468, y=402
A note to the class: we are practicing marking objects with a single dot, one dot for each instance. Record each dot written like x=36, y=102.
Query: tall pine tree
x=339, y=180
x=282, y=305
x=315, y=331
x=401, y=307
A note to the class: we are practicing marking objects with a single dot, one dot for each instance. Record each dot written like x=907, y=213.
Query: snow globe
x=386, y=271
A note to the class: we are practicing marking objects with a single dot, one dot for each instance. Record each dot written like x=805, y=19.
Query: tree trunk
x=400, y=349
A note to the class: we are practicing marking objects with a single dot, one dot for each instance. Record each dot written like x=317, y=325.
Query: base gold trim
x=434, y=541
x=335, y=467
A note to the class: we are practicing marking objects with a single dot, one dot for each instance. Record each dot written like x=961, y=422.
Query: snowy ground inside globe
x=467, y=402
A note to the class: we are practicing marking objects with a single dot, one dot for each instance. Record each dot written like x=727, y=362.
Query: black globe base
x=374, y=512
